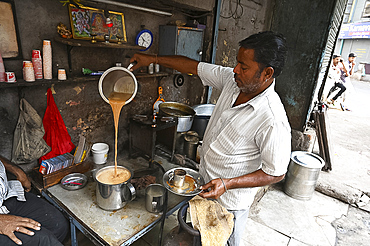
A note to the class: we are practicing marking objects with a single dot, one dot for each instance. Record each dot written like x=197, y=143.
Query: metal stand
x=163, y=219
x=323, y=135
x=145, y=133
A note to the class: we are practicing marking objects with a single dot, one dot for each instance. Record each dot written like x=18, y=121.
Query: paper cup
x=37, y=63
x=62, y=74
x=28, y=71
x=100, y=152
x=10, y=77
x=47, y=59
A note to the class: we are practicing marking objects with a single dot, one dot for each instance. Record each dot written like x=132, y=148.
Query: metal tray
x=193, y=182
x=74, y=181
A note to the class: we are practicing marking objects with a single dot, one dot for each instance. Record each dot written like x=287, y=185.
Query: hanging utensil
x=158, y=101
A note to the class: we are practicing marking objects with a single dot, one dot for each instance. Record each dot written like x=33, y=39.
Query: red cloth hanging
x=56, y=134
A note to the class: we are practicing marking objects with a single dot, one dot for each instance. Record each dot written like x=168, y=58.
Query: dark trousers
x=54, y=226
x=337, y=85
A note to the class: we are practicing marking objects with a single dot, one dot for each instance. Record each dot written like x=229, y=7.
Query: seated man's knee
x=42, y=237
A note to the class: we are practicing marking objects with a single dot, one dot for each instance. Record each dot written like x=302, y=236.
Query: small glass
x=93, y=37
x=179, y=177
x=106, y=38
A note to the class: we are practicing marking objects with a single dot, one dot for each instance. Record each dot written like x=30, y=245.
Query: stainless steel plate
x=74, y=181
x=193, y=182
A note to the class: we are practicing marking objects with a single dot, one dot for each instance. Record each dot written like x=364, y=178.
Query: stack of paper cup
x=37, y=63
x=47, y=59
x=28, y=72
x=2, y=70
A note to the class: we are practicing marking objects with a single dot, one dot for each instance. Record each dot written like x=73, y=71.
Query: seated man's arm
x=18, y=172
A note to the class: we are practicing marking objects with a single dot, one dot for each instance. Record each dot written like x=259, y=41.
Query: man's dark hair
x=352, y=55
x=269, y=50
x=335, y=56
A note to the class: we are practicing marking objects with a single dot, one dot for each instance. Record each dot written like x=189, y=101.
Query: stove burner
x=150, y=119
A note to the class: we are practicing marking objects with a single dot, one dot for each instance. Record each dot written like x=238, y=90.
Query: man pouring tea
x=247, y=143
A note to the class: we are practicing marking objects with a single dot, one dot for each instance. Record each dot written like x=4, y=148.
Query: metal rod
x=163, y=219
x=214, y=43
x=125, y=5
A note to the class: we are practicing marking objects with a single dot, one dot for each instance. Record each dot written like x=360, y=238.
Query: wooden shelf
x=73, y=79
x=87, y=43
x=98, y=44
x=41, y=82
x=146, y=75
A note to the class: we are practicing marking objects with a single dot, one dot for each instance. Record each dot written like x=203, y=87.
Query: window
x=366, y=12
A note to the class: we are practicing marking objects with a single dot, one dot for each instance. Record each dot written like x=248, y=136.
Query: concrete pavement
x=280, y=220
x=350, y=138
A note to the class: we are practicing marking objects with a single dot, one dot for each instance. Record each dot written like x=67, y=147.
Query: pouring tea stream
x=118, y=87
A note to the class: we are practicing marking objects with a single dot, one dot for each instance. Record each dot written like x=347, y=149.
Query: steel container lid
x=307, y=159
x=204, y=109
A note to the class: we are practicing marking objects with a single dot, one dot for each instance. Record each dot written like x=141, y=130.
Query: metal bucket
x=303, y=172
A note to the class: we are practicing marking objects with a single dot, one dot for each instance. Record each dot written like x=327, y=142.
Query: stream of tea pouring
x=123, y=90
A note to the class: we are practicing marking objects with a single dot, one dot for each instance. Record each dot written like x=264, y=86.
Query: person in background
x=345, y=69
x=335, y=72
x=350, y=66
x=333, y=77
x=26, y=219
x=247, y=143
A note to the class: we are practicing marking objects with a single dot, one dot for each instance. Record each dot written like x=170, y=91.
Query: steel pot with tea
x=114, y=190
x=184, y=113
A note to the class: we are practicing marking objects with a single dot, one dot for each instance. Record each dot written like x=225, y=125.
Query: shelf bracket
x=69, y=49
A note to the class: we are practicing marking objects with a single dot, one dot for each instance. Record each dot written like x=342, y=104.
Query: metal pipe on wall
x=125, y=5
x=214, y=42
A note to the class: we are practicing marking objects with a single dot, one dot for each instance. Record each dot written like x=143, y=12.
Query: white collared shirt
x=242, y=139
x=9, y=189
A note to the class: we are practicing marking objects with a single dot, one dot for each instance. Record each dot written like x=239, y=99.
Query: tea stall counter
x=118, y=227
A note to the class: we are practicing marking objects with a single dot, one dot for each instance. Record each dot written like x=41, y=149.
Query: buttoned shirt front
x=9, y=189
x=242, y=139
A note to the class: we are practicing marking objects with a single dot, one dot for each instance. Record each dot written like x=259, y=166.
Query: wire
x=194, y=16
x=235, y=15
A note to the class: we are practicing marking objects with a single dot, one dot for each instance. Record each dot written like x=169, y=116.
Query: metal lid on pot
x=307, y=159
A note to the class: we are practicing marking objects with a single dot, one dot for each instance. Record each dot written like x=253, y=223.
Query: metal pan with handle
x=118, y=80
